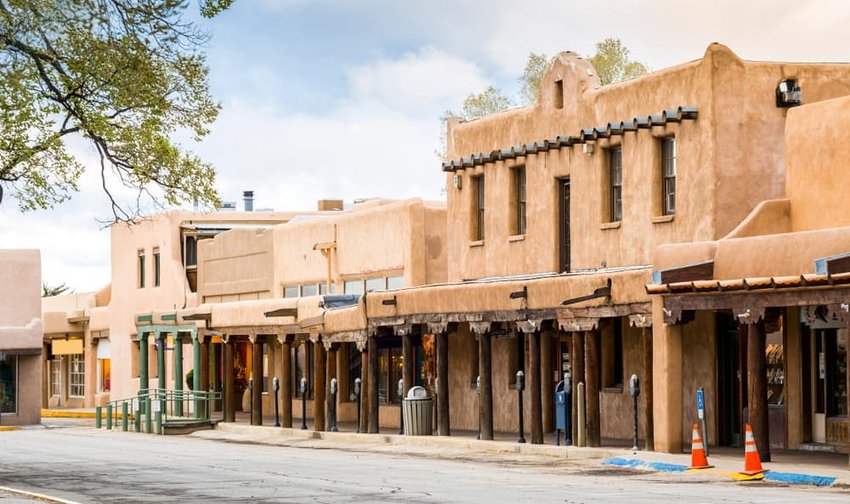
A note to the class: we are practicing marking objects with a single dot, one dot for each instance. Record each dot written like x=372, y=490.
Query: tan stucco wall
x=238, y=262
x=699, y=369
x=817, y=157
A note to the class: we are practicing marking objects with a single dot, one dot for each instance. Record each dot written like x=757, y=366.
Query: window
x=266, y=384
x=354, y=287
x=355, y=364
x=612, y=348
x=9, y=384
x=291, y=291
x=303, y=368
x=323, y=288
x=141, y=269
x=559, y=94
x=519, y=195
x=478, y=184
x=376, y=284
x=76, y=376
x=310, y=290
x=668, y=165
x=56, y=377
x=390, y=364
x=156, y=265
x=615, y=178
x=190, y=252
x=104, y=372
x=395, y=282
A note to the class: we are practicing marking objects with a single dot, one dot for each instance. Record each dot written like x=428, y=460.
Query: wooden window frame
x=479, y=195
x=615, y=184
x=668, y=175
x=520, y=220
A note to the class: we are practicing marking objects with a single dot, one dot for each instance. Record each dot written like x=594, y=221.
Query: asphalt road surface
x=86, y=465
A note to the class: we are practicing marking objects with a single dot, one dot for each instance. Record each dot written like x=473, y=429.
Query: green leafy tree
x=54, y=290
x=612, y=62
x=125, y=76
x=535, y=68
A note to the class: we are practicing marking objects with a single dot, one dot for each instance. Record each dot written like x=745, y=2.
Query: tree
x=612, y=62
x=49, y=291
x=535, y=68
x=124, y=75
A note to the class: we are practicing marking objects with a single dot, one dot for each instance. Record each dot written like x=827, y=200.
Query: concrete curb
x=38, y=496
x=441, y=442
x=7, y=428
x=48, y=413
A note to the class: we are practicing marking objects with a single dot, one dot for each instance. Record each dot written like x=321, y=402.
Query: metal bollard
x=478, y=393
x=634, y=391
x=251, y=400
x=108, y=416
x=303, y=403
x=333, y=405
x=98, y=410
x=400, y=406
x=276, y=387
x=124, y=416
x=581, y=427
x=158, y=418
x=357, y=396
x=520, y=385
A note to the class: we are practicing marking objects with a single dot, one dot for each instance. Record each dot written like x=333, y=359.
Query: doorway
x=728, y=380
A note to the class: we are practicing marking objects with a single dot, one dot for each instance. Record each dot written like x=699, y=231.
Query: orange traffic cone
x=752, y=462
x=698, y=458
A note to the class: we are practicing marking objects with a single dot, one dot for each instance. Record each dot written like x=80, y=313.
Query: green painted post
x=148, y=425
x=108, y=416
x=178, y=374
x=160, y=365
x=138, y=407
x=196, y=372
x=97, y=419
x=158, y=425
x=144, y=380
x=124, y=416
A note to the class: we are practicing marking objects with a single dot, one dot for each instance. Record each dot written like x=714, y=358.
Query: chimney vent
x=248, y=197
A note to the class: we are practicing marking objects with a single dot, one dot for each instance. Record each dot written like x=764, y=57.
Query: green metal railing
x=154, y=408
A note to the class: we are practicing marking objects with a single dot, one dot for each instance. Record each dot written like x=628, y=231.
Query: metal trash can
x=417, y=411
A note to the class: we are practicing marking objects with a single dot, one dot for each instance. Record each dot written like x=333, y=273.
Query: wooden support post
x=577, y=374
x=408, y=363
x=178, y=373
x=548, y=346
x=330, y=374
x=443, y=424
x=373, y=386
x=485, y=405
x=592, y=376
x=646, y=388
x=257, y=375
x=160, y=359
x=144, y=362
x=204, y=368
x=534, y=388
x=286, y=382
x=229, y=392
x=319, y=387
x=364, y=389
x=757, y=382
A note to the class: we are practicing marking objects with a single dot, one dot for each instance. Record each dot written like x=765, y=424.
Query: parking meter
x=400, y=406
x=276, y=388
x=520, y=384
x=634, y=386
x=634, y=391
x=333, y=405
x=520, y=380
x=250, y=384
x=357, y=397
x=357, y=387
x=478, y=384
x=303, y=403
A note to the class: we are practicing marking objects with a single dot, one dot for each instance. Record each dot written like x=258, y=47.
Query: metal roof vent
x=788, y=93
x=248, y=198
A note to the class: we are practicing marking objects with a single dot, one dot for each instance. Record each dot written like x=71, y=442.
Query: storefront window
x=837, y=374
x=355, y=363
x=77, y=376
x=390, y=364
x=9, y=384
x=105, y=371
x=56, y=377
x=775, y=356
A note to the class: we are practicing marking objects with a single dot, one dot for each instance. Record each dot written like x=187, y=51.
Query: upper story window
x=519, y=196
x=323, y=288
x=191, y=251
x=395, y=282
x=156, y=267
x=376, y=284
x=353, y=287
x=309, y=290
x=478, y=195
x=668, y=167
x=141, y=269
x=559, y=94
x=291, y=291
x=615, y=178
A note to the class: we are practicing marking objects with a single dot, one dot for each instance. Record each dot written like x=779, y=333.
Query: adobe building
x=554, y=214
x=92, y=351
x=20, y=337
x=268, y=306
x=759, y=317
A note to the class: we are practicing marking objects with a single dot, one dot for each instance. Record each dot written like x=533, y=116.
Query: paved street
x=85, y=465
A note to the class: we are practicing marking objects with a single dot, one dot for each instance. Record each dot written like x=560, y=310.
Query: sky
x=342, y=98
